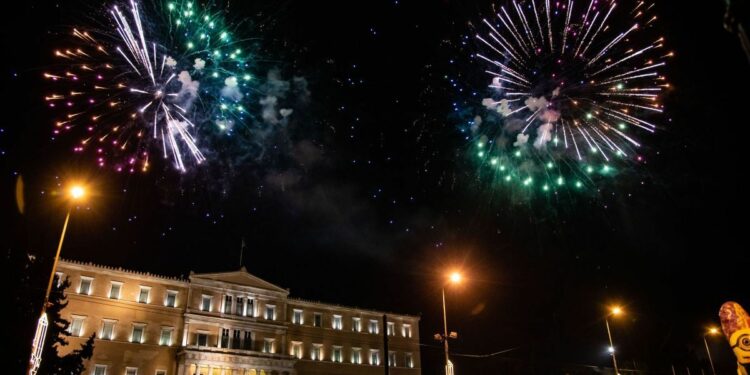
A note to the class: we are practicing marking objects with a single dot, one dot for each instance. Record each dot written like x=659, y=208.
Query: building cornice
x=295, y=301
x=90, y=266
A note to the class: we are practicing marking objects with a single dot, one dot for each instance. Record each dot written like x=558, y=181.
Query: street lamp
x=613, y=311
x=75, y=193
x=712, y=332
x=454, y=278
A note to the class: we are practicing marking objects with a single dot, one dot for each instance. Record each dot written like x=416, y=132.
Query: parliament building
x=226, y=323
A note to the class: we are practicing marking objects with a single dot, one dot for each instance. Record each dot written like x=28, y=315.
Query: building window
x=166, y=336
x=100, y=370
x=224, y=343
x=268, y=346
x=270, y=312
x=375, y=357
x=58, y=278
x=240, y=309
x=297, y=349
x=76, y=325
x=297, y=316
x=108, y=330
x=236, y=339
x=406, y=330
x=247, y=344
x=409, y=360
x=336, y=354
x=250, y=307
x=317, y=352
x=392, y=359
x=337, y=323
x=114, y=290
x=201, y=339
x=206, y=303
x=131, y=371
x=144, y=294
x=391, y=327
x=171, y=300
x=357, y=356
x=85, y=286
x=373, y=328
x=227, y=305
x=356, y=324
x=137, y=335
x=161, y=372
x=317, y=320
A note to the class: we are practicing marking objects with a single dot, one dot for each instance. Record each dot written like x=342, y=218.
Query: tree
x=57, y=334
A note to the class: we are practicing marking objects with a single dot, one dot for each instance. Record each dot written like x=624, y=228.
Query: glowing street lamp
x=76, y=192
x=713, y=331
x=613, y=311
x=454, y=278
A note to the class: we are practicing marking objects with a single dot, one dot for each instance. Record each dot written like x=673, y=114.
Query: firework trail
x=148, y=83
x=574, y=82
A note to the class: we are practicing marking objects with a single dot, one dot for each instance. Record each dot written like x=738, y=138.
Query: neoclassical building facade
x=226, y=323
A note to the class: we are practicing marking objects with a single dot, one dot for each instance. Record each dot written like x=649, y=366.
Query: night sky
x=370, y=194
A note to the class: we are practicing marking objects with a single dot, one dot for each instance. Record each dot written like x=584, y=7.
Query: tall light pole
x=613, y=311
x=453, y=278
x=74, y=194
x=711, y=331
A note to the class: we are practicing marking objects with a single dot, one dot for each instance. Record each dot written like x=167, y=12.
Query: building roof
x=239, y=277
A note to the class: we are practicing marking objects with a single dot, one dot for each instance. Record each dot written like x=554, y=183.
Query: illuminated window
x=373, y=328
x=391, y=327
x=357, y=356
x=131, y=371
x=115, y=289
x=224, y=343
x=297, y=316
x=247, y=344
x=337, y=322
x=108, y=329
x=392, y=359
x=406, y=330
x=137, y=335
x=144, y=294
x=297, y=349
x=206, y=303
x=100, y=370
x=409, y=360
x=236, y=339
x=58, y=278
x=356, y=324
x=317, y=319
x=76, y=325
x=201, y=339
x=268, y=346
x=227, y=304
x=166, y=336
x=317, y=352
x=85, y=286
x=240, y=306
x=336, y=354
x=171, y=300
x=270, y=312
x=375, y=357
x=250, y=311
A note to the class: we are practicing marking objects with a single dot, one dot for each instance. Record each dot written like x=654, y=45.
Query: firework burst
x=149, y=84
x=573, y=85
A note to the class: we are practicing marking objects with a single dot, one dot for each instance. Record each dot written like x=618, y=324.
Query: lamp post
x=454, y=278
x=613, y=311
x=75, y=193
x=711, y=331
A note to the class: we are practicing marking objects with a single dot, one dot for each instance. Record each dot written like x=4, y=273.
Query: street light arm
x=57, y=259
